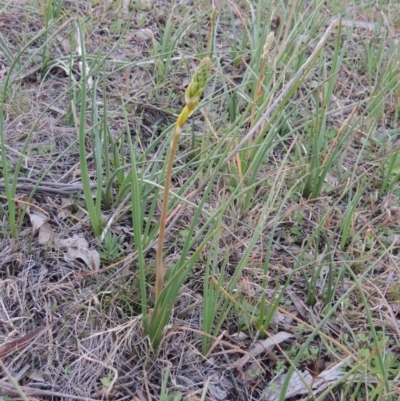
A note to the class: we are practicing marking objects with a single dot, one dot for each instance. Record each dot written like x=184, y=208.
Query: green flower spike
x=197, y=84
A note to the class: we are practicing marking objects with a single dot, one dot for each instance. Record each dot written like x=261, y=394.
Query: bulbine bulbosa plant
x=192, y=96
x=166, y=293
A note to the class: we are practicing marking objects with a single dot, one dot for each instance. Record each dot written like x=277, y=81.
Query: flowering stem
x=192, y=97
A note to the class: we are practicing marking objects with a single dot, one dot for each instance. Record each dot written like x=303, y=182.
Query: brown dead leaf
x=144, y=35
x=78, y=248
x=37, y=216
x=46, y=234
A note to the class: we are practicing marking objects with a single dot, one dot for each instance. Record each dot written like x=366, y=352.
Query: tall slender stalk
x=192, y=96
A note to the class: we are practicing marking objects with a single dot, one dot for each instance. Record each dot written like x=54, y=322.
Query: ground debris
x=302, y=383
